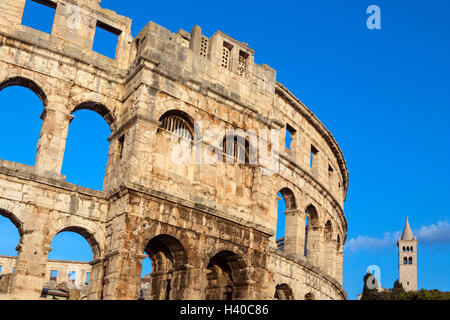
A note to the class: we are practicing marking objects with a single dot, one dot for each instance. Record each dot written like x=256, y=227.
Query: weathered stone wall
x=208, y=227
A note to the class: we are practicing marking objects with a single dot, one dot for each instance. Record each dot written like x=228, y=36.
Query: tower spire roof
x=407, y=233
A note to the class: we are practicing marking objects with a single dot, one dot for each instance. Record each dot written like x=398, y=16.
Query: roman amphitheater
x=207, y=226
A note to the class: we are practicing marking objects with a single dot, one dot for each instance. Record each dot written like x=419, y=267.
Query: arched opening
x=168, y=276
x=330, y=249
x=146, y=273
x=309, y=296
x=407, y=249
x=178, y=123
x=283, y=292
x=328, y=230
x=86, y=152
x=23, y=103
x=69, y=274
x=410, y=261
x=237, y=149
x=11, y=231
x=412, y=250
x=405, y=260
x=286, y=202
x=306, y=236
x=311, y=231
x=226, y=277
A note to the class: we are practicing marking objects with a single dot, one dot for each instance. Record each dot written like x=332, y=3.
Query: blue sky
x=384, y=94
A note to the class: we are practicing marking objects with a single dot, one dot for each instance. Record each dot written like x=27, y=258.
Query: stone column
x=122, y=275
x=339, y=265
x=96, y=279
x=314, y=244
x=52, y=142
x=294, y=243
x=329, y=257
x=194, y=285
x=31, y=266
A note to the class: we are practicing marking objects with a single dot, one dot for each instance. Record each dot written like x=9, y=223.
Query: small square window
x=72, y=276
x=39, y=14
x=290, y=133
x=54, y=275
x=106, y=39
x=313, y=156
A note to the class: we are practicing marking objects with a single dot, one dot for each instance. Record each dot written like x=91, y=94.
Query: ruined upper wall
x=73, y=30
x=219, y=64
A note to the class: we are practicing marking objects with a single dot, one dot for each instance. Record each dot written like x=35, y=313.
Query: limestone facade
x=207, y=227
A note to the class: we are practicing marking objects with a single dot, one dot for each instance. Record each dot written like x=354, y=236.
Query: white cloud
x=438, y=234
x=435, y=234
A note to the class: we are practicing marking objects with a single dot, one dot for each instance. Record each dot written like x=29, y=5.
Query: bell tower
x=407, y=259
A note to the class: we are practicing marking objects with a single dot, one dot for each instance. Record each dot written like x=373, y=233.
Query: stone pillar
x=52, y=142
x=314, y=245
x=122, y=275
x=294, y=243
x=196, y=39
x=194, y=285
x=329, y=257
x=31, y=266
x=96, y=279
x=339, y=265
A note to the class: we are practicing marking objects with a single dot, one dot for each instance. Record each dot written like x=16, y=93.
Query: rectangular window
x=39, y=15
x=330, y=174
x=290, y=133
x=313, y=157
x=106, y=39
x=204, y=47
x=121, y=144
x=226, y=55
x=242, y=67
x=87, y=278
x=1, y=267
x=54, y=275
x=72, y=276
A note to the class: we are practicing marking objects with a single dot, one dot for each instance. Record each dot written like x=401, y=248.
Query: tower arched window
x=410, y=260
x=405, y=260
x=404, y=249
x=412, y=250
x=178, y=123
x=407, y=249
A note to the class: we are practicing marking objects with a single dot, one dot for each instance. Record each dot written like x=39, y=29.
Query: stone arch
x=283, y=292
x=165, y=103
x=313, y=215
x=105, y=106
x=15, y=213
x=101, y=109
x=169, y=273
x=310, y=296
x=90, y=236
x=328, y=230
x=289, y=198
x=226, y=277
x=14, y=220
x=26, y=83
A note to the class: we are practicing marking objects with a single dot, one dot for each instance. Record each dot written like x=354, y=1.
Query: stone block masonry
x=209, y=229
